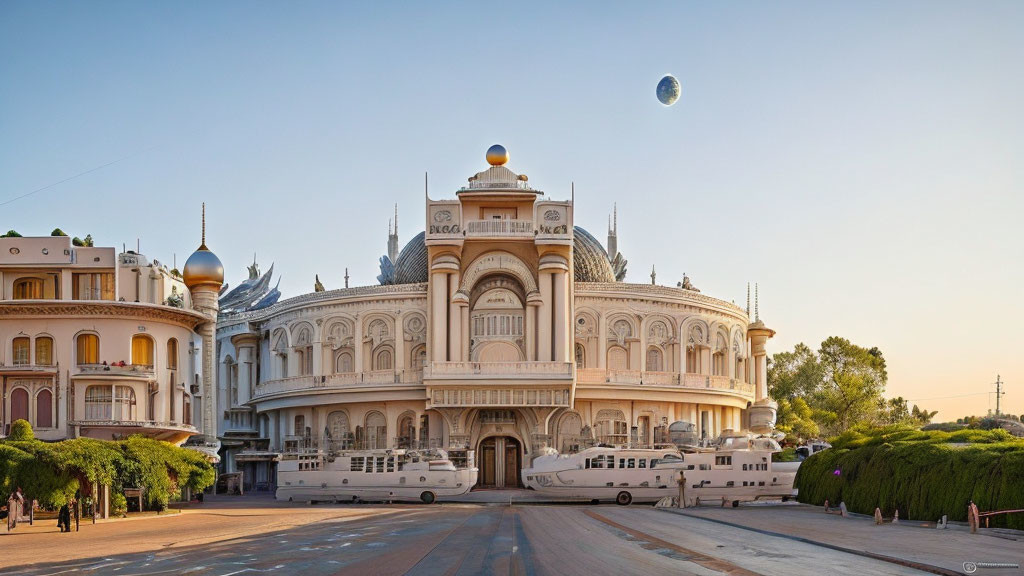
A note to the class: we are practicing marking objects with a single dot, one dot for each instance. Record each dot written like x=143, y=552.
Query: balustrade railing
x=645, y=378
x=443, y=369
x=299, y=383
x=499, y=228
x=115, y=368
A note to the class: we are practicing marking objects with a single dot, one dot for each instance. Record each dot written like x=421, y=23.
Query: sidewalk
x=905, y=543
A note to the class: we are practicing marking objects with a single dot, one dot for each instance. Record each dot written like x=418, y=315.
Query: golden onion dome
x=497, y=155
x=203, y=267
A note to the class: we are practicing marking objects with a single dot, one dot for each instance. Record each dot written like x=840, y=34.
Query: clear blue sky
x=862, y=161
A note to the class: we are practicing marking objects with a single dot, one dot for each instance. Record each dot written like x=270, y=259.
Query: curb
x=863, y=553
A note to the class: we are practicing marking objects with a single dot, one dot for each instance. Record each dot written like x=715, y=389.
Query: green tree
x=11, y=234
x=853, y=381
x=795, y=373
x=57, y=232
x=922, y=417
x=21, y=431
x=796, y=419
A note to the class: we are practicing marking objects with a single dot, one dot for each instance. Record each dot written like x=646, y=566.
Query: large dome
x=411, y=265
x=590, y=261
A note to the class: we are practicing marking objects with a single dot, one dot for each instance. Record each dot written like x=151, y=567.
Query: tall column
x=454, y=321
x=466, y=334
x=759, y=335
x=244, y=373
x=272, y=430
x=602, y=341
x=439, y=317
x=561, y=318
x=399, y=344
x=530, y=330
x=318, y=355
x=544, y=312
x=357, y=345
x=204, y=298
x=642, y=365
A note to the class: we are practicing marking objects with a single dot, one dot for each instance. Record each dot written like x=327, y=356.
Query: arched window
x=618, y=359
x=343, y=362
x=21, y=355
x=124, y=403
x=691, y=360
x=44, y=409
x=718, y=364
x=406, y=430
x=384, y=360
x=581, y=356
x=28, y=289
x=87, y=348
x=338, y=430
x=187, y=416
x=611, y=427
x=654, y=361
x=419, y=357
x=44, y=351
x=19, y=404
x=172, y=354
x=142, y=350
x=569, y=431
x=98, y=402
x=376, y=431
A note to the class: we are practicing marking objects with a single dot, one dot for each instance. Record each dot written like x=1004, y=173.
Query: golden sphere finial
x=497, y=155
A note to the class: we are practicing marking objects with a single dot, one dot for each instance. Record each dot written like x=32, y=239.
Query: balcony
x=599, y=376
x=345, y=380
x=502, y=370
x=137, y=370
x=499, y=228
x=174, y=432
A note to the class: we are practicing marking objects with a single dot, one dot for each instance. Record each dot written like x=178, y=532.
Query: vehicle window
x=643, y=463
x=631, y=463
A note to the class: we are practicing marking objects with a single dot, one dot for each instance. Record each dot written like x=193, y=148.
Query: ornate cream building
x=501, y=329
x=100, y=344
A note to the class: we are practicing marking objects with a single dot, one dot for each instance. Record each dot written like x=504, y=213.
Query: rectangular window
x=643, y=463
x=21, y=351
x=631, y=463
x=92, y=286
x=356, y=464
x=98, y=401
x=380, y=464
x=44, y=351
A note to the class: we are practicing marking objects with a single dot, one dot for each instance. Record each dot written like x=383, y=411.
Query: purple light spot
x=836, y=472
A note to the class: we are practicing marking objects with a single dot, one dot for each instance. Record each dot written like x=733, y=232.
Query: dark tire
x=735, y=503
x=595, y=501
x=624, y=498
x=427, y=497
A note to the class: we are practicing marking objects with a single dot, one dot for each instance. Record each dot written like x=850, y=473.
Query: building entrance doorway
x=500, y=462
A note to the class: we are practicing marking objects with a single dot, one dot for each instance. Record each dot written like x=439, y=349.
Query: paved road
x=447, y=539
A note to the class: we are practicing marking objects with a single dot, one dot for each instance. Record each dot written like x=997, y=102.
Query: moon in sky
x=668, y=90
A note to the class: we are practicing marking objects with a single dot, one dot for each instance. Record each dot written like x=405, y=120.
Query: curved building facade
x=502, y=329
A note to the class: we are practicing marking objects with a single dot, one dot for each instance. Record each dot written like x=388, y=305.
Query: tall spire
x=613, y=237
x=396, y=218
x=653, y=274
x=757, y=311
x=202, y=244
x=393, y=238
x=748, y=299
x=346, y=277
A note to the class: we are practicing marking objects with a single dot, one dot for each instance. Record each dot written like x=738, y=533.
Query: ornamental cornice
x=661, y=294
x=330, y=300
x=105, y=309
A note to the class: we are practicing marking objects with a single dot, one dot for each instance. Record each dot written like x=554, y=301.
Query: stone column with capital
x=759, y=335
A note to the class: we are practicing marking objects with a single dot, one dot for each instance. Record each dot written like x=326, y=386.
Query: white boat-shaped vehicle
x=375, y=475
x=739, y=469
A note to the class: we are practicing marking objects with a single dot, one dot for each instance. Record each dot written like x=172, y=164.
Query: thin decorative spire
x=748, y=299
x=346, y=276
x=396, y=218
x=615, y=219
x=389, y=226
x=653, y=274
x=202, y=244
x=757, y=311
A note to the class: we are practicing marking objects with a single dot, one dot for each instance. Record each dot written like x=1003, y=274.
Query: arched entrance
x=500, y=461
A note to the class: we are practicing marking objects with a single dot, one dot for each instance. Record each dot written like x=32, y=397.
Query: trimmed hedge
x=52, y=472
x=924, y=475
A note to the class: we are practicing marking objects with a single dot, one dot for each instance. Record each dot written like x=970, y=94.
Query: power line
x=947, y=397
x=48, y=186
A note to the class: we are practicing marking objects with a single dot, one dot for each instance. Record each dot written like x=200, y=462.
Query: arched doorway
x=500, y=461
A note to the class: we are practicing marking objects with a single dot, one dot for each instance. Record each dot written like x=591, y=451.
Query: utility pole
x=999, y=392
